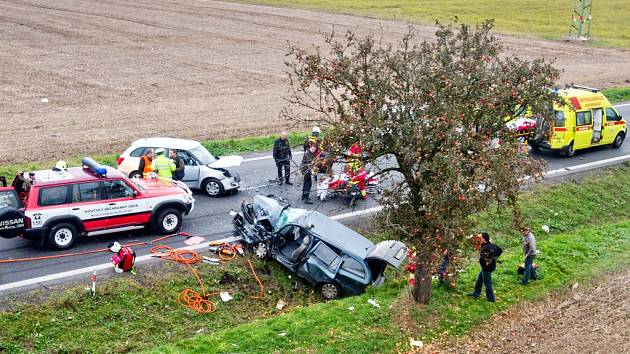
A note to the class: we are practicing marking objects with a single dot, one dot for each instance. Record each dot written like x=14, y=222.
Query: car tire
x=260, y=250
x=330, y=291
x=135, y=174
x=569, y=151
x=168, y=221
x=62, y=236
x=212, y=187
x=618, y=141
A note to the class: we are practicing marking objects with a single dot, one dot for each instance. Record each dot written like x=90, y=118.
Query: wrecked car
x=330, y=256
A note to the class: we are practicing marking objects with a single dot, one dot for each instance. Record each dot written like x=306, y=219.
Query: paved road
x=210, y=218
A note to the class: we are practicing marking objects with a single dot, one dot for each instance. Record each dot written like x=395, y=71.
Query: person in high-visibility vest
x=145, y=163
x=162, y=165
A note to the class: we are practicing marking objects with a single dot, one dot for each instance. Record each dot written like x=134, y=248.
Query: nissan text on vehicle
x=586, y=119
x=213, y=175
x=333, y=258
x=56, y=207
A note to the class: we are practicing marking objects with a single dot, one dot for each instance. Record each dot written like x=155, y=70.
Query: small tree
x=440, y=110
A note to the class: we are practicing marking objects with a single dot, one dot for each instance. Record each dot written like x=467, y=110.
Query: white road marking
x=622, y=105
x=86, y=270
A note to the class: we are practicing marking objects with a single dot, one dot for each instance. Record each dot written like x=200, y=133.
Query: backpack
x=128, y=259
x=487, y=255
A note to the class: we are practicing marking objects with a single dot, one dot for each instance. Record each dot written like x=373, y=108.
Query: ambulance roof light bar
x=94, y=166
x=592, y=89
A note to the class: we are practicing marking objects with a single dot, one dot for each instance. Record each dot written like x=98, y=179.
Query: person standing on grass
x=529, y=252
x=282, y=156
x=488, y=260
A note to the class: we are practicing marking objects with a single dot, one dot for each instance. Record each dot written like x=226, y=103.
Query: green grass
x=541, y=18
x=617, y=94
x=217, y=147
x=590, y=235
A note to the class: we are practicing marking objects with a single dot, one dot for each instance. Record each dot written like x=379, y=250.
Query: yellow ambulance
x=586, y=119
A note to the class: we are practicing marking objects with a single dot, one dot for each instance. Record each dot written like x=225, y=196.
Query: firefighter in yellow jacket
x=162, y=165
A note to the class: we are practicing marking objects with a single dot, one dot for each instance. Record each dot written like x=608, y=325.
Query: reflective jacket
x=145, y=166
x=163, y=166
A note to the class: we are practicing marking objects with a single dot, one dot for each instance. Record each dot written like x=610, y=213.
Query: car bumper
x=190, y=207
x=230, y=183
x=36, y=233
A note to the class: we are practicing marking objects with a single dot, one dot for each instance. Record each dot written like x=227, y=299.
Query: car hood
x=158, y=187
x=226, y=161
x=267, y=208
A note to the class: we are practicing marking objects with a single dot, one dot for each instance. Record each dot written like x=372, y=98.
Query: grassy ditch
x=590, y=234
x=217, y=147
x=131, y=313
x=544, y=19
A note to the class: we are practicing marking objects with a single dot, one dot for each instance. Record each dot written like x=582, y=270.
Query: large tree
x=439, y=110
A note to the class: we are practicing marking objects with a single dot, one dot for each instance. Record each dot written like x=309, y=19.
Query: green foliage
x=617, y=94
x=542, y=18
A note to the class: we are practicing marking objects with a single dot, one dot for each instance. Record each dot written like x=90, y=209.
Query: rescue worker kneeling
x=162, y=165
x=125, y=258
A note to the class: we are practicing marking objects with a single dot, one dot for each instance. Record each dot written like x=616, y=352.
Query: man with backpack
x=124, y=258
x=488, y=260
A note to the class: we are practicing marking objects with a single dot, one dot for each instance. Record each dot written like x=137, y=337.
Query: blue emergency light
x=96, y=167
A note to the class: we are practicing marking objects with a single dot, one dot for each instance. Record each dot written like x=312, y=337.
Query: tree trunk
x=422, y=281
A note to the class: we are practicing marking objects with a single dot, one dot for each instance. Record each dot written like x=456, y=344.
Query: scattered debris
x=194, y=240
x=282, y=334
x=200, y=330
x=545, y=228
x=280, y=305
x=351, y=308
x=415, y=343
x=225, y=297
x=373, y=303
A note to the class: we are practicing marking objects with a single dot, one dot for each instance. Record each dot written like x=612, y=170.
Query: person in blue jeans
x=488, y=255
x=529, y=252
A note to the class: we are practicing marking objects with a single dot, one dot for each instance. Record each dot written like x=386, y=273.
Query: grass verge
x=541, y=18
x=590, y=234
x=617, y=94
x=217, y=147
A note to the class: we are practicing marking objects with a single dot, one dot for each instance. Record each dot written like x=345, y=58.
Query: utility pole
x=581, y=17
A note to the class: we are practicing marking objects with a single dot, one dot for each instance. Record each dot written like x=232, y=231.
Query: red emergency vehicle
x=58, y=206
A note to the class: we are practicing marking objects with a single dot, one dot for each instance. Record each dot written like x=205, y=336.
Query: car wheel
x=618, y=141
x=168, y=221
x=62, y=236
x=260, y=250
x=213, y=187
x=330, y=291
x=135, y=174
x=570, y=152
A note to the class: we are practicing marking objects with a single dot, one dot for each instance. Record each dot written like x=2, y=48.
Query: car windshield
x=203, y=155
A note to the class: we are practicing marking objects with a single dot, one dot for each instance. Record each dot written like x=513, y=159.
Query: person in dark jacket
x=488, y=260
x=180, y=166
x=282, y=156
x=307, y=172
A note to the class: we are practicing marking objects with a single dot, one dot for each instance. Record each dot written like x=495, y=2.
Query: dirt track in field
x=595, y=319
x=117, y=70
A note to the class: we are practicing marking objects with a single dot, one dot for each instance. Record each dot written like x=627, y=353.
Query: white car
x=213, y=175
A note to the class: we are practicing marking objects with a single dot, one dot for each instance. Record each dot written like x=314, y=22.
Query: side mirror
x=135, y=193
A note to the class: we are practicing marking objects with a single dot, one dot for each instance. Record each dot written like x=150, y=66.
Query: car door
x=191, y=171
x=86, y=204
x=612, y=118
x=320, y=265
x=122, y=205
x=583, y=129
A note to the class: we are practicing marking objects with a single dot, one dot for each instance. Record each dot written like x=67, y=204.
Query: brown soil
x=117, y=70
x=590, y=320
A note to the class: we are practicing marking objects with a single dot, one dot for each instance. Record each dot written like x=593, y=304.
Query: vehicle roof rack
x=592, y=89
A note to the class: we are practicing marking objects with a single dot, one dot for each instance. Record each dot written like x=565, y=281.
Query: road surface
x=211, y=220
